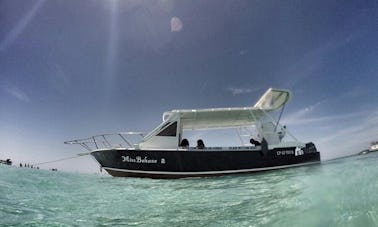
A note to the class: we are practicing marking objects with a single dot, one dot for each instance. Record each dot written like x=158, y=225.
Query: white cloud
x=20, y=26
x=312, y=61
x=18, y=94
x=339, y=134
x=300, y=117
x=351, y=138
x=243, y=52
x=59, y=80
x=239, y=91
x=300, y=114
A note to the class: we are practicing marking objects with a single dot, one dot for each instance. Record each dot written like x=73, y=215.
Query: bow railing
x=109, y=140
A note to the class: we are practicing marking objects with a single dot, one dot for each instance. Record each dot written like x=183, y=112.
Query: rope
x=62, y=159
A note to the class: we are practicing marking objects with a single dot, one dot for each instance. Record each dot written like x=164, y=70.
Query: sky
x=75, y=68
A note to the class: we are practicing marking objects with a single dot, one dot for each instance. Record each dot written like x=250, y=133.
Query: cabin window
x=169, y=131
x=165, y=125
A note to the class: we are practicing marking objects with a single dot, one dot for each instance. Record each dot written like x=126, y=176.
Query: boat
x=6, y=162
x=373, y=146
x=165, y=152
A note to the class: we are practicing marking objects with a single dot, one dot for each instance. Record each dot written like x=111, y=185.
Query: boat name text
x=139, y=159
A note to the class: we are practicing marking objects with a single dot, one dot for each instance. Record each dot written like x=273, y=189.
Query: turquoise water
x=342, y=192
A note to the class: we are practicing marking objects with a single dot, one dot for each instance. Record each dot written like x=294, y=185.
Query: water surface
x=336, y=193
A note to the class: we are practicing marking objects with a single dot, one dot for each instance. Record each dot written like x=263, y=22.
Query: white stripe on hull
x=209, y=172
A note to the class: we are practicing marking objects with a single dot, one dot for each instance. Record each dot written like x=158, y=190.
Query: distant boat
x=6, y=162
x=165, y=153
x=373, y=146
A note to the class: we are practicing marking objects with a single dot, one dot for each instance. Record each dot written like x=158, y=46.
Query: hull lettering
x=139, y=159
x=285, y=152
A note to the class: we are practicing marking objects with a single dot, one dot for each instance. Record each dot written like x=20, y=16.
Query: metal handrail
x=103, y=141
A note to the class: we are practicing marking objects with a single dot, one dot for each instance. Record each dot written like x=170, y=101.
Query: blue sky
x=72, y=69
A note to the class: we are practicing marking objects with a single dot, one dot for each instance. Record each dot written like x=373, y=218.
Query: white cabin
x=168, y=134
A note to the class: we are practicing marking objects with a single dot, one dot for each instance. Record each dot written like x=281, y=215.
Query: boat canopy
x=168, y=134
x=273, y=99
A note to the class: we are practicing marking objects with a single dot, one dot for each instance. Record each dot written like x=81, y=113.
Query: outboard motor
x=310, y=148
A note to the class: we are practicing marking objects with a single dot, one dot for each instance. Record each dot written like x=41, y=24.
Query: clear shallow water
x=342, y=192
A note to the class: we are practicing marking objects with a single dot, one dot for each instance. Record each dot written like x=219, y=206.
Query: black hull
x=198, y=163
